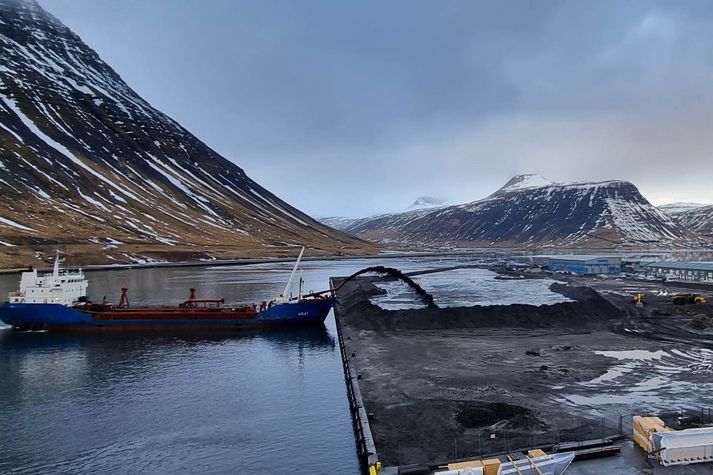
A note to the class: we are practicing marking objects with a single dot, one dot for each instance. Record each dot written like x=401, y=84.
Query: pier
x=430, y=387
x=366, y=448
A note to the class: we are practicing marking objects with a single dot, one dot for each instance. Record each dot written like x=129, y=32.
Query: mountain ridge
x=698, y=219
x=674, y=209
x=529, y=211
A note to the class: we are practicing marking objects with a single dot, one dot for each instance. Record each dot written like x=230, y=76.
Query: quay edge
x=366, y=448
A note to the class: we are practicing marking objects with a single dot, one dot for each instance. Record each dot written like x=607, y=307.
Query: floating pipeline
x=425, y=297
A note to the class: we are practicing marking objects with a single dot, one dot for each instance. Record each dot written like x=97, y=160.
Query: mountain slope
x=698, y=220
x=84, y=159
x=676, y=209
x=420, y=206
x=695, y=217
x=530, y=211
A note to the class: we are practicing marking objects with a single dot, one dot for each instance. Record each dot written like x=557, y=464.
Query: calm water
x=248, y=402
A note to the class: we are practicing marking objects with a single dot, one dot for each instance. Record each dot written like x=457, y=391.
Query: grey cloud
x=393, y=100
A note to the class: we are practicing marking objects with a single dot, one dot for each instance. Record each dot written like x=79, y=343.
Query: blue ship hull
x=55, y=317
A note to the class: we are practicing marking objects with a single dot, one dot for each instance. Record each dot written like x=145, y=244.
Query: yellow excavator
x=639, y=300
x=686, y=299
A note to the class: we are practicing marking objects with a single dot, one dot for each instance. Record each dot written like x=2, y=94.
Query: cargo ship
x=57, y=302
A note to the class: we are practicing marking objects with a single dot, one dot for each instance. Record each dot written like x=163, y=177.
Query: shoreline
x=503, y=252
x=248, y=261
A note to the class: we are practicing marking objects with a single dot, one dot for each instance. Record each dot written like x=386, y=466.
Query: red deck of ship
x=169, y=313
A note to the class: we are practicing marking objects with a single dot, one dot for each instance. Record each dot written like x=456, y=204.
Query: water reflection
x=136, y=402
x=72, y=360
x=246, y=402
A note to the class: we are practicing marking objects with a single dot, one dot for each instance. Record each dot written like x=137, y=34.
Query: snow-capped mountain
x=523, y=182
x=421, y=204
x=675, y=209
x=425, y=202
x=531, y=211
x=84, y=159
x=694, y=217
x=697, y=219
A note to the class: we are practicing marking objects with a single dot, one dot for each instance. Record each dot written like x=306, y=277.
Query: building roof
x=684, y=265
x=580, y=257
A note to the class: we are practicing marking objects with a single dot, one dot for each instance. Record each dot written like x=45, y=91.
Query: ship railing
x=17, y=294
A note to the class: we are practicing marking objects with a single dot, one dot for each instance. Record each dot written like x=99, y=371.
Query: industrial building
x=584, y=264
x=684, y=271
x=636, y=266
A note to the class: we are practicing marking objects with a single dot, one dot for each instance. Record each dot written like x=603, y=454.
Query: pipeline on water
x=425, y=297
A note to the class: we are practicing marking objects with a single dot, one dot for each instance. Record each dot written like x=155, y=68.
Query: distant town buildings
x=637, y=267
x=684, y=271
x=584, y=264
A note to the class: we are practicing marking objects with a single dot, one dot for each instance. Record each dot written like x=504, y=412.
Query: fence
x=477, y=443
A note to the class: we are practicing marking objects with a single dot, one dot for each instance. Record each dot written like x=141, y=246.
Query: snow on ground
x=659, y=379
x=91, y=200
x=15, y=224
x=62, y=149
x=175, y=178
x=283, y=210
x=19, y=139
x=631, y=217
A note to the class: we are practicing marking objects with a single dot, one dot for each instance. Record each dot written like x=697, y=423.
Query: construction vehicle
x=639, y=300
x=686, y=299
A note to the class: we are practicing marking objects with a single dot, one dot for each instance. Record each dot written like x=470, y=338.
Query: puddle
x=676, y=377
x=468, y=287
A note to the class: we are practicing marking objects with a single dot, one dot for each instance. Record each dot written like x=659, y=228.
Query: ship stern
x=38, y=316
x=312, y=311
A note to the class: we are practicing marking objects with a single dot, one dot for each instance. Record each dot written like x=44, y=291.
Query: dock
x=366, y=448
x=431, y=387
x=409, y=414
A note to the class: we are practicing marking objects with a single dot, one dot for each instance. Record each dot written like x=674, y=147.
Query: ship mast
x=55, y=271
x=284, y=294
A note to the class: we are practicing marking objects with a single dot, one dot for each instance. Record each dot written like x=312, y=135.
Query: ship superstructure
x=61, y=287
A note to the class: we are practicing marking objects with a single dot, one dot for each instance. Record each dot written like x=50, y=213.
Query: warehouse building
x=683, y=271
x=636, y=266
x=585, y=264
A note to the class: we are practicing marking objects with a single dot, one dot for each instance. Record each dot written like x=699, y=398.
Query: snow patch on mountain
x=15, y=224
x=522, y=182
x=424, y=202
x=674, y=209
x=699, y=220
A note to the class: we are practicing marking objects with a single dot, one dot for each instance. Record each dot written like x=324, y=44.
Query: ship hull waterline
x=59, y=318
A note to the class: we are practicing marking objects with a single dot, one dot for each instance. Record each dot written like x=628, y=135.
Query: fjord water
x=268, y=401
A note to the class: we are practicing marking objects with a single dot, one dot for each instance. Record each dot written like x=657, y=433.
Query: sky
x=352, y=108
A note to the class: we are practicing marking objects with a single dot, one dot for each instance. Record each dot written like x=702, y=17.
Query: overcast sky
x=355, y=108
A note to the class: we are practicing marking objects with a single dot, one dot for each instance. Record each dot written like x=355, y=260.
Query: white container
x=683, y=447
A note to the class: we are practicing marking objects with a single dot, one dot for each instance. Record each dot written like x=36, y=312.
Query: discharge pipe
x=425, y=297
